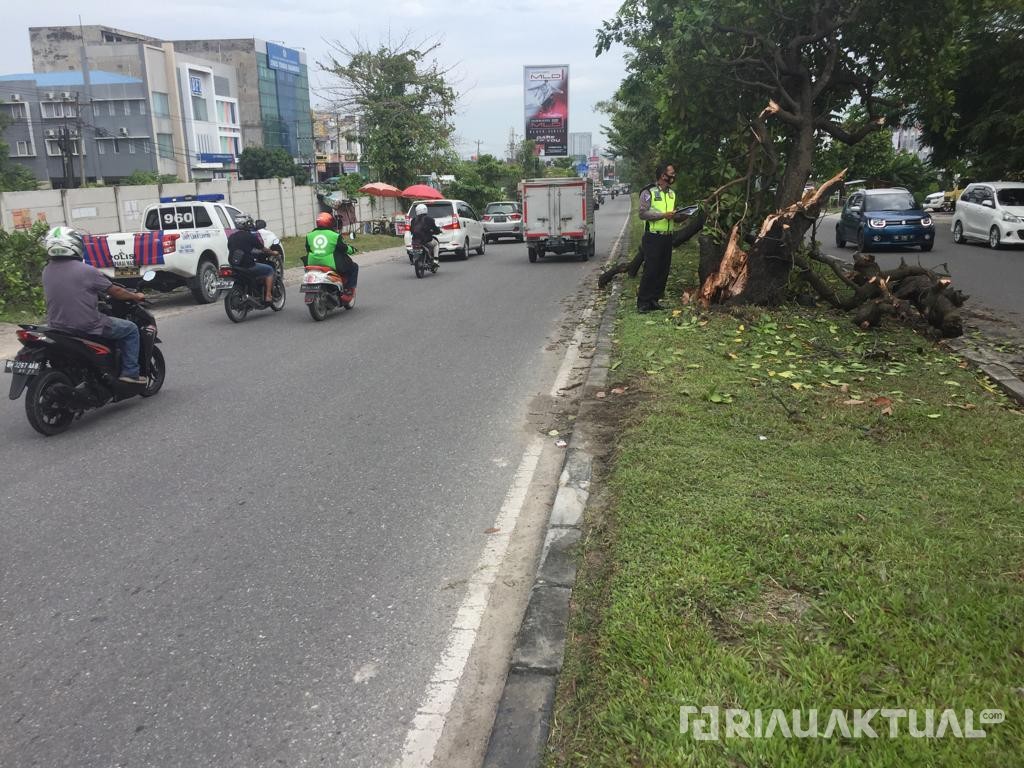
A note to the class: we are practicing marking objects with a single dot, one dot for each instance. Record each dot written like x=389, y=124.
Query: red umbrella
x=380, y=189
x=422, y=192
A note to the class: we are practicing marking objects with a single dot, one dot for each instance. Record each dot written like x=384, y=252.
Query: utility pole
x=65, y=150
x=478, y=142
x=80, y=140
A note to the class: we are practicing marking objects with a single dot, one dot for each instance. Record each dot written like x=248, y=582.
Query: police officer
x=657, y=209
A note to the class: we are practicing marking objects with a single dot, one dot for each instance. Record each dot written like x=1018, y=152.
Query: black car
x=874, y=218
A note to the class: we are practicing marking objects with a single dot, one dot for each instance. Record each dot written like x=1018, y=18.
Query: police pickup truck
x=185, y=242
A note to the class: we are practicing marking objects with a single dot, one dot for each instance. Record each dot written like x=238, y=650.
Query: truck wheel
x=532, y=253
x=202, y=284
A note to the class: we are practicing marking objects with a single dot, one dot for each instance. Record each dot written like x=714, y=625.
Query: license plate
x=22, y=367
x=312, y=288
x=223, y=285
x=499, y=219
x=126, y=271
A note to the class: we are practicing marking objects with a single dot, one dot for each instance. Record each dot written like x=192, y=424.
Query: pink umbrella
x=380, y=189
x=422, y=192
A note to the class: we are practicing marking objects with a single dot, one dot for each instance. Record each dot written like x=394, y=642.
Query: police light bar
x=192, y=199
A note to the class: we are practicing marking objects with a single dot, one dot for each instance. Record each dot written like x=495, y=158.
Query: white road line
x=422, y=739
x=572, y=353
x=431, y=715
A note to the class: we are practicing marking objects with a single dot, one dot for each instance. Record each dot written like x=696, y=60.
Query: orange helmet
x=325, y=220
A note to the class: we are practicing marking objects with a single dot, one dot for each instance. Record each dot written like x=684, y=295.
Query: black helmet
x=245, y=222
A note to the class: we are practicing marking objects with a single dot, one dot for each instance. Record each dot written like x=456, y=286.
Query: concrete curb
x=520, y=732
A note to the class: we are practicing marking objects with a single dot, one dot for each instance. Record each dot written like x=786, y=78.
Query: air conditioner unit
x=15, y=97
x=123, y=131
x=50, y=96
x=50, y=133
x=66, y=95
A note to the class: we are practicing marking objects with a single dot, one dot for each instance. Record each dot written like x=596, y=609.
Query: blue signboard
x=195, y=85
x=213, y=157
x=284, y=59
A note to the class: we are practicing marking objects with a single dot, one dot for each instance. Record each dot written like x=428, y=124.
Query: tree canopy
x=706, y=83
x=264, y=163
x=404, y=101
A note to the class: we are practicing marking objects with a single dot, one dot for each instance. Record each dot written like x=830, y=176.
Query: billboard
x=546, y=99
x=284, y=59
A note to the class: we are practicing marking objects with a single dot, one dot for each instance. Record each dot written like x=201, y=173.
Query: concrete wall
x=287, y=209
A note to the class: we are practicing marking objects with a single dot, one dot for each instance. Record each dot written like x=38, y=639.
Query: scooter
x=324, y=290
x=243, y=291
x=67, y=374
x=422, y=261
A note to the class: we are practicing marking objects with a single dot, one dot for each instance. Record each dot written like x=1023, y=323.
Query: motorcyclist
x=326, y=247
x=423, y=228
x=243, y=246
x=72, y=288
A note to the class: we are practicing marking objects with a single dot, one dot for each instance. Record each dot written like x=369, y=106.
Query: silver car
x=503, y=219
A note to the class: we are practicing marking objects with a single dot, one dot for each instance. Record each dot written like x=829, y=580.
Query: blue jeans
x=126, y=334
x=261, y=270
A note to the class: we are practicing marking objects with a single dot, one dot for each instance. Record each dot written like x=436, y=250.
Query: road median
x=794, y=515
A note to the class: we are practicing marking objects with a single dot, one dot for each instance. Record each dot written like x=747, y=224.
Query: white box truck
x=558, y=216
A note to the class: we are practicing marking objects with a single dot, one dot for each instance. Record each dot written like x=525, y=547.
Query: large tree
x=264, y=163
x=981, y=132
x=404, y=101
x=742, y=90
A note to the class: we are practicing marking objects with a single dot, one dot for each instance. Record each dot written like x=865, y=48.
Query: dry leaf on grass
x=853, y=401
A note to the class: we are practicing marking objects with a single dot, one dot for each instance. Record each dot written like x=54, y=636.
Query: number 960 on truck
x=185, y=242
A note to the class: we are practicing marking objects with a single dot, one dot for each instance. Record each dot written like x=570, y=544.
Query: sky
x=485, y=43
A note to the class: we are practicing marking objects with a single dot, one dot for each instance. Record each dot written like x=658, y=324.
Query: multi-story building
x=336, y=139
x=256, y=93
x=102, y=124
x=580, y=145
x=273, y=88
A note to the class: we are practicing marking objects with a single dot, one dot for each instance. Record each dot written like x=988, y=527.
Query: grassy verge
x=294, y=247
x=797, y=515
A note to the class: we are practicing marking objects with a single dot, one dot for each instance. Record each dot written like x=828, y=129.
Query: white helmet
x=420, y=209
x=64, y=242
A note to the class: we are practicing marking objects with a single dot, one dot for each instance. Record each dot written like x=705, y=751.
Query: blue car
x=884, y=218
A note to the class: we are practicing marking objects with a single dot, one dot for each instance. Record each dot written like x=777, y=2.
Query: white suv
x=991, y=211
x=461, y=229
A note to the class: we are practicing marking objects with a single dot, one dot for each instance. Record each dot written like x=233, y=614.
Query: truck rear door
x=572, y=214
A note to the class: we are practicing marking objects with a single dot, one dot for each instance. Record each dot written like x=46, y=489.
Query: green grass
x=294, y=247
x=765, y=544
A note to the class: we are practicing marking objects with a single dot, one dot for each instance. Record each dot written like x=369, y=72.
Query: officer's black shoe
x=643, y=309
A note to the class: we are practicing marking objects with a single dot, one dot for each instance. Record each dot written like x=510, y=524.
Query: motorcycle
x=67, y=374
x=422, y=261
x=324, y=290
x=243, y=291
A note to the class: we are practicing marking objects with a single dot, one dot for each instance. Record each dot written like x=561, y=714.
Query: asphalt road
x=259, y=566
x=993, y=279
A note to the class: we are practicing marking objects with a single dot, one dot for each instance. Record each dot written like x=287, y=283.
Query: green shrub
x=22, y=259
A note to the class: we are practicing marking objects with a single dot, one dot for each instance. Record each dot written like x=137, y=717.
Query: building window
x=16, y=111
x=161, y=104
x=127, y=107
x=95, y=109
x=165, y=145
x=110, y=108
x=145, y=147
x=101, y=147
x=53, y=148
x=142, y=106
x=117, y=146
x=57, y=109
x=22, y=149
x=131, y=145
x=199, y=109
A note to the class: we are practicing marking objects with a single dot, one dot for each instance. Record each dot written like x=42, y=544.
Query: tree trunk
x=761, y=275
